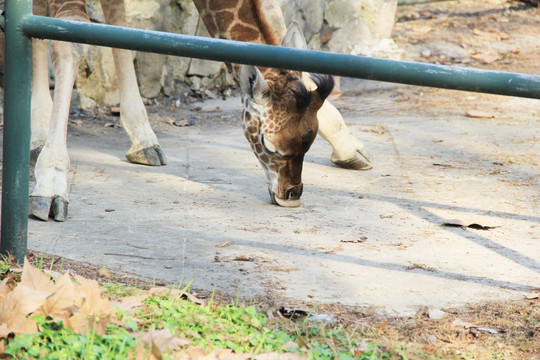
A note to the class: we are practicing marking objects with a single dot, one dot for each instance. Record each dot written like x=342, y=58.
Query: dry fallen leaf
x=420, y=266
x=479, y=114
x=141, y=353
x=59, y=304
x=95, y=312
x=129, y=302
x=194, y=353
x=35, y=278
x=448, y=166
x=6, y=286
x=4, y=333
x=18, y=304
x=161, y=341
x=163, y=291
x=280, y=356
x=224, y=244
x=463, y=225
x=533, y=294
x=104, y=272
x=361, y=239
x=244, y=258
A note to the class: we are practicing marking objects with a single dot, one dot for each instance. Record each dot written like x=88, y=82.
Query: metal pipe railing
x=411, y=73
x=16, y=152
x=21, y=26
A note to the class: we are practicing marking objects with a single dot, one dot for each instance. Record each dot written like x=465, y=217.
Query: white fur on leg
x=348, y=151
x=52, y=164
x=133, y=113
x=51, y=173
x=41, y=97
x=145, y=147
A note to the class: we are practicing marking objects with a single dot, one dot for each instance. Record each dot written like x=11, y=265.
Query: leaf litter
x=507, y=329
x=31, y=300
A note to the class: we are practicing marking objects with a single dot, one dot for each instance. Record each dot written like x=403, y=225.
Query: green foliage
x=116, y=290
x=56, y=342
x=5, y=265
x=241, y=329
x=247, y=330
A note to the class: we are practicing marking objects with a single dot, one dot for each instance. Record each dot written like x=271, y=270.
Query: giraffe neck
x=257, y=21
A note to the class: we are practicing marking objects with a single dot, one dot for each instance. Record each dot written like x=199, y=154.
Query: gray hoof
x=355, y=163
x=150, y=156
x=44, y=207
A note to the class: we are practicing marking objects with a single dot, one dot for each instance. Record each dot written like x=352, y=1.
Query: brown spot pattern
x=224, y=18
x=244, y=33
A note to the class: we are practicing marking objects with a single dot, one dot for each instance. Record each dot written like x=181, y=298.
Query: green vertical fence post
x=16, y=148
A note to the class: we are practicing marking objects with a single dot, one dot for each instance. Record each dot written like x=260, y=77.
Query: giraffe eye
x=268, y=146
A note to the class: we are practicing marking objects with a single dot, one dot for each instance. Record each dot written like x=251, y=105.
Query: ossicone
x=325, y=84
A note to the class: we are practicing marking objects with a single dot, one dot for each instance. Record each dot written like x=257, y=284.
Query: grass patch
x=56, y=342
x=163, y=323
x=245, y=329
x=68, y=318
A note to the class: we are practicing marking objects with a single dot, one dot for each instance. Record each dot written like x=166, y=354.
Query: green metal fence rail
x=21, y=26
x=411, y=73
x=16, y=147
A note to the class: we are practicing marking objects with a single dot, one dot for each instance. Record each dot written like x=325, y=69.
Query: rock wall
x=157, y=74
x=361, y=27
x=358, y=27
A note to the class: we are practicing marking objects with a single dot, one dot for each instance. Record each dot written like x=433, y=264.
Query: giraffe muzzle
x=291, y=197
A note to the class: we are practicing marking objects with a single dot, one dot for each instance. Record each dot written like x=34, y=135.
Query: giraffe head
x=280, y=123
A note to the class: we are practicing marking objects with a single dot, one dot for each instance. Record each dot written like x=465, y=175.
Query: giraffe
x=283, y=110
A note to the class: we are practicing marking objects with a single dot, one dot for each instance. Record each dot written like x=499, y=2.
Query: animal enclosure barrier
x=21, y=26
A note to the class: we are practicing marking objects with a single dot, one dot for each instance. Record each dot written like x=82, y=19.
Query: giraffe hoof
x=153, y=156
x=354, y=164
x=360, y=161
x=43, y=207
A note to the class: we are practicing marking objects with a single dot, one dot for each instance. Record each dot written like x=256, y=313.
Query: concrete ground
x=373, y=238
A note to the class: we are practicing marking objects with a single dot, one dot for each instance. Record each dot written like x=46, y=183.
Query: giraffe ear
x=252, y=82
x=294, y=37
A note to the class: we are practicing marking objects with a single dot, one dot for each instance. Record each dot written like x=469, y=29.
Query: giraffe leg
x=50, y=195
x=41, y=97
x=145, y=148
x=348, y=151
